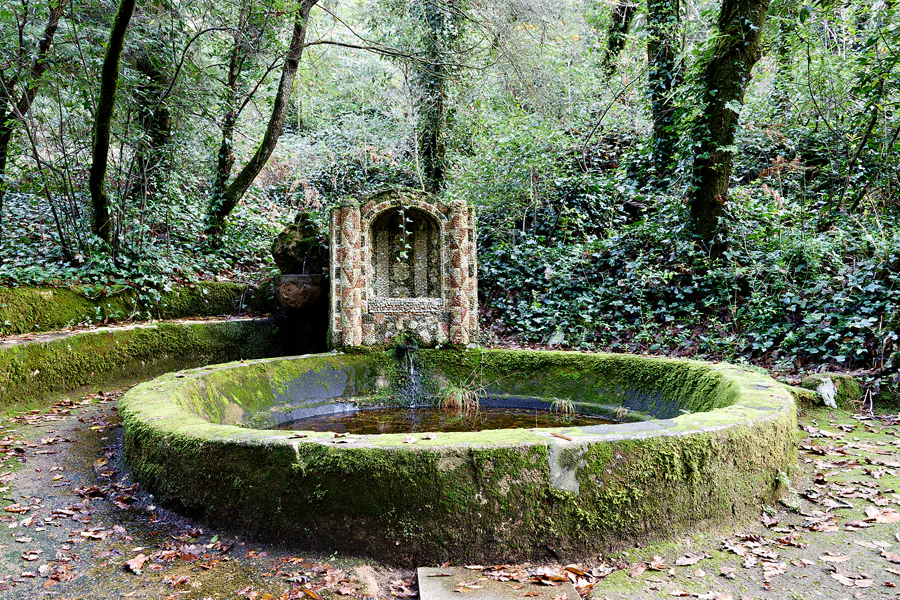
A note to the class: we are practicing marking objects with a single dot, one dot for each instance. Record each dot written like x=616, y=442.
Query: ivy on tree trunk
x=109, y=81
x=223, y=205
x=663, y=76
x=428, y=84
x=724, y=80
x=622, y=17
x=153, y=164
x=225, y=156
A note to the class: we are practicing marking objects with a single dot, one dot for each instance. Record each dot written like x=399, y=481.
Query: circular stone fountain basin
x=707, y=446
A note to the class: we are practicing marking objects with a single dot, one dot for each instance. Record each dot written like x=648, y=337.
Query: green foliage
x=787, y=293
x=173, y=250
x=562, y=406
x=459, y=397
x=580, y=245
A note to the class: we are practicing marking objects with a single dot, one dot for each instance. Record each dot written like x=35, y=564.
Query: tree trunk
x=293, y=121
x=13, y=111
x=432, y=148
x=724, y=79
x=622, y=17
x=663, y=76
x=221, y=208
x=783, y=76
x=156, y=121
x=429, y=87
x=109, y=82
x=5, y=138
x=225, y=157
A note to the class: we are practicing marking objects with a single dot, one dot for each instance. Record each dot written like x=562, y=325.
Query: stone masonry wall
x=401, y=261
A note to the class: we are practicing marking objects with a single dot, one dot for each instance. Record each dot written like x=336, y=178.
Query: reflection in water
x=411, y=420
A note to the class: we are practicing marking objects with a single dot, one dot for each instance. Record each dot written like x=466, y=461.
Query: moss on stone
x=28, y=309
x=31, y=373
x=835, y=388
x=661, y=387
x=804, y=398
x=481, y=496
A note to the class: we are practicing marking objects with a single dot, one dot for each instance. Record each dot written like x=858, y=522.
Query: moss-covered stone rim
x=750, y=398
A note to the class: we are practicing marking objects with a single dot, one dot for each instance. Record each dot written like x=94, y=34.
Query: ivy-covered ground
x=73, y=525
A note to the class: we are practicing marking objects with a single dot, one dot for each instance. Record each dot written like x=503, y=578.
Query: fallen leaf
x=834, y=558
x=688, y=560
x=137, y=563
x=176, y=581
x=637, y=568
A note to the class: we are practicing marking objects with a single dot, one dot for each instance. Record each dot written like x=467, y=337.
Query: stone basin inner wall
x=402, y=261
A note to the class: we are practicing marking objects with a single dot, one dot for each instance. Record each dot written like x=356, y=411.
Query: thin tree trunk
x=663, y=76
x=429, y=87
x=17, y=110
x=156, y=121
x=109, y=82
x=220, y=209
x=5, y=138
x=862, y=144
x=293, y=121
x=225, y=157
x=622, y=17
x=783, y=75
x=724, y=80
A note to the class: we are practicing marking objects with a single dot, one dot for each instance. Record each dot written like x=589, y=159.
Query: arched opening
x=405, y=254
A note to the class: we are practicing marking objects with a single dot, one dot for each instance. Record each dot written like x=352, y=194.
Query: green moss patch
x=482, y=496
x=32, y=373
x=28, y=309
x=836, y=390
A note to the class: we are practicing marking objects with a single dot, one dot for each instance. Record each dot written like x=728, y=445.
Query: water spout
x=411, y=390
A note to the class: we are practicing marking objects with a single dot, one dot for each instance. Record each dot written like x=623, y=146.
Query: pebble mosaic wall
x=401, y=261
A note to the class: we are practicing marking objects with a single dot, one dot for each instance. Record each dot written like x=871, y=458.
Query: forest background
x=709, y=178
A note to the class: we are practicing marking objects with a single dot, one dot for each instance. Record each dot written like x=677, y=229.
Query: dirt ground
x=72, y=525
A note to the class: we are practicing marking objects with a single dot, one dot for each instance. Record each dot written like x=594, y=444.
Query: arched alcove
x=404, y=262
x=405, y=254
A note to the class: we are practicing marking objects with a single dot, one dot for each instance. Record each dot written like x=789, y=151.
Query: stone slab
x=434, y=586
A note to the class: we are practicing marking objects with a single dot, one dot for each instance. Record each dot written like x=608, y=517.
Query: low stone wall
x=31, y=373
x=718, y=454
x=31, y=309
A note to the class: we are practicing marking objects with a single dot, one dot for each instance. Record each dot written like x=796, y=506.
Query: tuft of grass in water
x=460, y=397
x=562, y=407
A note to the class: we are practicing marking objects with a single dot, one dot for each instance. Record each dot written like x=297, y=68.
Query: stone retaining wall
x=36, y=309
x=33, y=373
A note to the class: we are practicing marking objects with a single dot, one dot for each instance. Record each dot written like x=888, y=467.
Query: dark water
x=412, y=420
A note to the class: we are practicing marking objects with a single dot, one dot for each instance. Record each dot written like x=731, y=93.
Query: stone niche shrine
x=403, y=262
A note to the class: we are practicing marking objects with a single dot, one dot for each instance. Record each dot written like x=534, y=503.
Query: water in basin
x=412, y=420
